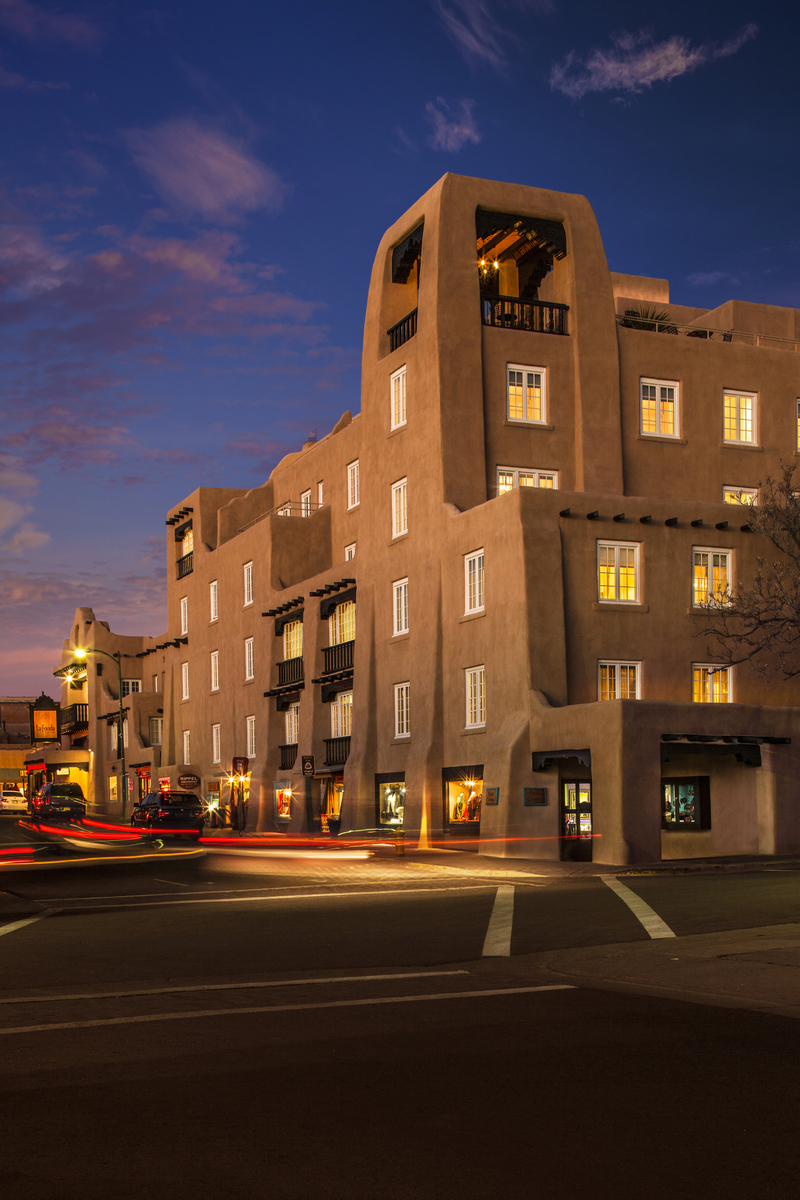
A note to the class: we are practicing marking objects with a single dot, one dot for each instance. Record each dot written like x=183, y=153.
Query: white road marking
x=643, y=912
x=278, y=1008
x=224, y=987
x=498, y=935
x=466, y=887
x=27, y=921
x=171, y=882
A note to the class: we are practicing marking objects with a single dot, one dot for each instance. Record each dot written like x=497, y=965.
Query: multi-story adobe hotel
x=467, y=611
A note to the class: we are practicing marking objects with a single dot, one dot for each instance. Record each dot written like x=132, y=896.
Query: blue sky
x=192, y=195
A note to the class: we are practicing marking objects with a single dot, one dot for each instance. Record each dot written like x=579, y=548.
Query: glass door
x=576, y=821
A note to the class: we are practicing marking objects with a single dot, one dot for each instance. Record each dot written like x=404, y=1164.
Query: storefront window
x=283, y=802
x=685, y=804
x=391, y=802
x=464, y=801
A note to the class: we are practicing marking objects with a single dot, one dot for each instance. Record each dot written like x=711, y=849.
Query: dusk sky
x=193, y=194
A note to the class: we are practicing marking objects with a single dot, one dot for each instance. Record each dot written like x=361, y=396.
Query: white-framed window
x=215, y=670
x=216, y=744
x=711, y=684
x=349, y=552
x=473, y=582
x=213, y=600
x=526, y=394
x=476, y=696
x=512, y=477
x=618, y=680
x=342, y=623
x=342, y=715
x=293, y=639
x=285, y=510
x=618, y=572
x=321, y=492
x=156, y=731
x=155, y=683
x=305, y=503
x=397, y=388
x=400, y=606
x=739, y=495
x=184, y=681
x=131, y=686
x=739, y=417
x=249, y=659
x=184, y=615
x=399, y=508
x=251, y=737
x=658, y=407
x=187, y=543
x=187, y=747
x=248, y=583
x=402, y=710
x=293, y=725
x=711, y=575
x=353, y=485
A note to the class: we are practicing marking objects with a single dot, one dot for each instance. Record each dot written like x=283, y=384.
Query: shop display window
x=283, y=802
x=685, y=804
x=463, y=800
x=391, y=802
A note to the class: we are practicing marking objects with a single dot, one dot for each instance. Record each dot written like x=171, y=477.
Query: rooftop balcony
x=531, y=316
x=75, y=719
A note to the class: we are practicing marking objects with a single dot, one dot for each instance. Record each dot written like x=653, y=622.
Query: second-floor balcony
x=532, y=316
x=338, y=658
x=288, y=756
x=400, y=333
x=75, y=719
x=336, y=751
x=290, y=671
x=185, y=565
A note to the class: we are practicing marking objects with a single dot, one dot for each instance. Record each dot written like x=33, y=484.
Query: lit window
x=187, y=542
x=184, y=681
x=187, y=747
x=342, y=715
x=293, y=725
x=131, y=685
x=659, y=407
x=293, y=640
x=512, y=477
x=476, y=696
x=184, y=615
x=526, y=394
x=737, y=495
x=349, y=552
x=400, y=593
x=618, y=572
x=215, y=670
x=617, y=681
x=251, y=737
x=156, y=730
x=214, y=604
x=686, y=804
x=321, y=492
x=397, y=386
x=353, y=485
x=711, y=684
x=473, y=582
x=216, y=744
x=399, y=508
x=343, y=623
x=305, y=503
x=402, y=711
x=711, y=573
x=739, y=417
x=249, y=659
x=248, y=583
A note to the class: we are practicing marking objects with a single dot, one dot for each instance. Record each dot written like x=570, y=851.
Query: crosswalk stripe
x=643, y=912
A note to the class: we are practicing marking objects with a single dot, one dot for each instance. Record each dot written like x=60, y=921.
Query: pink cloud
x=10, y=79
x=43, y=25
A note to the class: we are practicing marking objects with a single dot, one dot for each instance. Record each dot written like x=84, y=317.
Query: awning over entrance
x=745, y=748
x=542, y=759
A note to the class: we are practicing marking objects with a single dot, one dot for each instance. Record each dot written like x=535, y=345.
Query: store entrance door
x=576, y=821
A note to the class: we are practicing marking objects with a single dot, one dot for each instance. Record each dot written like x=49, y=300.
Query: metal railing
x=290, y=671
x=288, y=756
x=338, y=658
x=336, y=751
x=533, y=316
x=707, y=332
x=74, y=718
x=400, y=333
x=289, y=508
x=185, y=565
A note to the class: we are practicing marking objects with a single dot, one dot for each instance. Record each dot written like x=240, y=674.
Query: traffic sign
x=308, y=764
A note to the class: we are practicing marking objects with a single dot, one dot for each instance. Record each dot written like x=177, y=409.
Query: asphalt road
x=322, y=1027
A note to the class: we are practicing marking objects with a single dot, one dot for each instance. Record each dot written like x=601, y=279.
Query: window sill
x=353, y=507
x=661, y=437
x=473, y=729
x=399, y=637
x=401, y=537
x=472, y=616
x=248, y=604
x=400, y=741
x=741, y=446
x=399, y=429
x=698, y=610
x=214, y=621
x=615, y=606
x=248, y=681
x=528, y=424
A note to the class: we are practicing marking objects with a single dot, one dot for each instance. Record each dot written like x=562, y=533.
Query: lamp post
x=117, y=658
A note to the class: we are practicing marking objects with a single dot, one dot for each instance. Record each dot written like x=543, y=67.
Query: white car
x=12, y=800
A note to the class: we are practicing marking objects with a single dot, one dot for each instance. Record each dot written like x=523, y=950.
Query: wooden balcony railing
x=290, y=671
x=400, y=333
x=288, y=756
x=75, y=718
x=338, y=658
x=185, y=565
x=533, y=316
x=336, y=751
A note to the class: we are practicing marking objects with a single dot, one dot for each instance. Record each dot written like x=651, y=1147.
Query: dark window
x=180, y=799
x=686, y=804
x=69, y=791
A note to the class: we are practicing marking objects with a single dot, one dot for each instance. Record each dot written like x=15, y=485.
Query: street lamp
x=117, y=658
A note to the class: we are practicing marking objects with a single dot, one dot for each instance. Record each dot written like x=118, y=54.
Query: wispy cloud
x=710, y=278
x=453, y=127
x=39, y=24
x=637, y=61
x=203, y=171
x=16, y=82
x=475, y=29
x=17, y=533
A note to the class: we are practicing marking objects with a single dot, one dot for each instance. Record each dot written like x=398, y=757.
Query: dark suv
x=58, y=799
x=170, y=812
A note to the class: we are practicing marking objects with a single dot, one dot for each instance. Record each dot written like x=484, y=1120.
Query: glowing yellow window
x=617, y=572
x=711, y=685
x=711, y=576
x=658, y=406
x=293, y=640
x=526, y=394
x=618, y=681
x=739, y=410
x=505, y=482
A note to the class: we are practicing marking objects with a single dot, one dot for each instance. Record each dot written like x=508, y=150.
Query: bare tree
x=759, y=623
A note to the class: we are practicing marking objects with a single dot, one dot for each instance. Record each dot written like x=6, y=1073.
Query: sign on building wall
x=45, y=724
x=308, y=764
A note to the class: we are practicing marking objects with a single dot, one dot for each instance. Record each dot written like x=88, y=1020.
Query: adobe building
x=467, y=611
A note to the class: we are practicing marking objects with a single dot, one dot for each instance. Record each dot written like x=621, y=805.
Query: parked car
x=171, y=812
x=58, y=799
x=12, y=800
